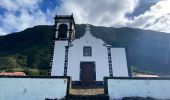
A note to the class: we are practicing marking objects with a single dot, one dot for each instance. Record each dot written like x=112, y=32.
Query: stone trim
x=52, y=48
x=66, y=60
x=110, y=61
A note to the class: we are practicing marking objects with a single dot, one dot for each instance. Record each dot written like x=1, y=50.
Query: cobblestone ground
x=87, y=91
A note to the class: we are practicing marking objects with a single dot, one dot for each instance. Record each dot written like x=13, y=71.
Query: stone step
x=86, y=91
x=87, y=97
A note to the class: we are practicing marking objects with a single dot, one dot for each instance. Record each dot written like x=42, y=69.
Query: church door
x=87, y=73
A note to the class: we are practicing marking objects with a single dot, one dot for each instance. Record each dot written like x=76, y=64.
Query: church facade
x=87, y=59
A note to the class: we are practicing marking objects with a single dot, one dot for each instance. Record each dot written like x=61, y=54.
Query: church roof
x=12, y=74
x=65, y=17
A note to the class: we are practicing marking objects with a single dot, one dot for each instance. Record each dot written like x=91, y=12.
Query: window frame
x=87, y=51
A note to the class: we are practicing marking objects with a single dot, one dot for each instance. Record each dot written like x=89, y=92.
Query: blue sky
x=17, y=15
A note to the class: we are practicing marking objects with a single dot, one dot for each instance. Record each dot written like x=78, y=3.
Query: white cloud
x=99, y=12
x=21, y=14
x=157, y=18
x=14, y=5
x=113, y=13
x=3, y=32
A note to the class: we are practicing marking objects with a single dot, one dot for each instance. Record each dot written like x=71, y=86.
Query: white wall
x=32, y=88
x=119, y=62
x=58, y=58
x=99, y=56
x=119, y=88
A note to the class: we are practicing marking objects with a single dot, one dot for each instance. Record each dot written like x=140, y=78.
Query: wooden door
x=87, y=73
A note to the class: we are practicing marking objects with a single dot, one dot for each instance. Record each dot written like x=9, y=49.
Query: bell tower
x=64, y=34
x=64, y=28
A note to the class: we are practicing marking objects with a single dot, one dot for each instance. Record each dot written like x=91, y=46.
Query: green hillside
x=29, y=50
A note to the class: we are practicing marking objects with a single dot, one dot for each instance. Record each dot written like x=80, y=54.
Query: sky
x=17, y=15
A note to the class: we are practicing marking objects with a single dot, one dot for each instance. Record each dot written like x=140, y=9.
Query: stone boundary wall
x=33, y=88
x=154, y=87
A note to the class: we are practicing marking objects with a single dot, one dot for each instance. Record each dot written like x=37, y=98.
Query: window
x=87, y=51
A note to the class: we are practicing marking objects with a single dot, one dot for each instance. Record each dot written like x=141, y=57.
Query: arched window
x=62, y=31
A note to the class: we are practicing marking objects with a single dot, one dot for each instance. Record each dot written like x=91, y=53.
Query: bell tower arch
x=64, y=28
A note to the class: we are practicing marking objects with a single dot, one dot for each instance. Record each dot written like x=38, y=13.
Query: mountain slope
x=146, y=50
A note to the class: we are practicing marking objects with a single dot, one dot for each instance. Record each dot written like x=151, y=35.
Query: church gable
x=88, y=39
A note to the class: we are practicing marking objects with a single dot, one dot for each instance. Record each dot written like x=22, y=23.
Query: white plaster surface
x=58, y=58
x=32, y=88
x=119, y=62
x=99, y=56
x=119, y=88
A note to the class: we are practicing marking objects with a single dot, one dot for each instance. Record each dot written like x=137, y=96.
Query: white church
x=87, y=59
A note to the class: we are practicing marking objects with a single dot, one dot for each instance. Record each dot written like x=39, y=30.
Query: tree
x=8, y=63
